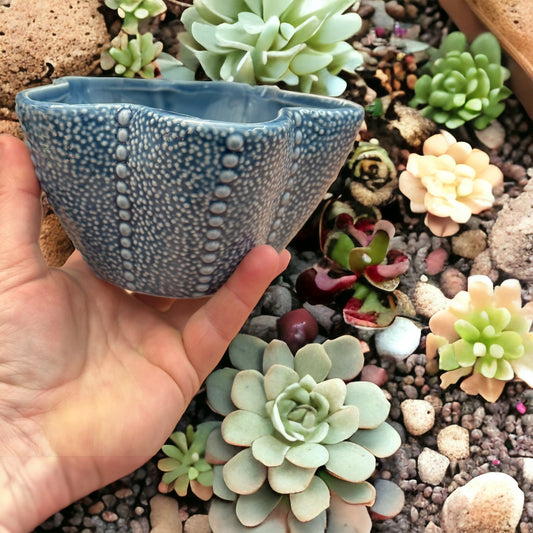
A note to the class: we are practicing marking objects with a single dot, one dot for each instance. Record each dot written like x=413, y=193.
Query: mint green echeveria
x=185, y=465
x=464, y=85
x=297, y=42
x=296, y=440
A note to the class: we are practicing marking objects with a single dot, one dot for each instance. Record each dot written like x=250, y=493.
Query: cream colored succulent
x=450, y=182
x=485, y=335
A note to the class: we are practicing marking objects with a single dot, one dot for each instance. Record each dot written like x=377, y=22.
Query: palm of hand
x=89, y=375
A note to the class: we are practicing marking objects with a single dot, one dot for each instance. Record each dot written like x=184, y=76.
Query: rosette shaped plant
x=133, y=11
x=485, y=335
x=357, y=258
x=299, y=43
x=463, y=85
x=296, y=439
x=185, y=464
x=450, y=181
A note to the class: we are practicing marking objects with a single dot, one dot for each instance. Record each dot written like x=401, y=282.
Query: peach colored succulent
x=450, y=181
x=485, y=335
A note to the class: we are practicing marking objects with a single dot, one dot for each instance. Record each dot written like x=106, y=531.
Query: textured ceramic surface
x=165, y=186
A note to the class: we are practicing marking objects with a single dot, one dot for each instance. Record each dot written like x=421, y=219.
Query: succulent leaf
x=289, y=478
x=270, y=450
x=253, y=509
x=310, y=502
x=382, y=441
x=369, y=399
x=362, y=493
x=243, y=474
x=362, y=462
x=241, y=428
x=219, y=385
x=248, y=391
x=246, y=352
x=312, y=360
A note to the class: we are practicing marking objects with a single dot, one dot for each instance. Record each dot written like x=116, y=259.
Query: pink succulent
x=450, y=182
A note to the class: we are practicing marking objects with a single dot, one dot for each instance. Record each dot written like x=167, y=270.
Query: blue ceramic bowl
x=165, y=186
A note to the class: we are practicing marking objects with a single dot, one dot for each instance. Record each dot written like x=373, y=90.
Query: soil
x=500, y=435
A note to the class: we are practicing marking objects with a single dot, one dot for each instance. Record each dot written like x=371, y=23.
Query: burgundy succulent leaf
x=320, y=284
x=397, y=264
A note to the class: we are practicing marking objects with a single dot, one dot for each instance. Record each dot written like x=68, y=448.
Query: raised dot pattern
x=165, y=205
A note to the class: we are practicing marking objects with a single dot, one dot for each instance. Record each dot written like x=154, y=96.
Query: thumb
x=20, y=211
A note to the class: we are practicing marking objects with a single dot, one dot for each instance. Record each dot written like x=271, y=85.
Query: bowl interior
x=213, y=101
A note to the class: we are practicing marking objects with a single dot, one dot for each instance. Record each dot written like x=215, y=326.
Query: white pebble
x=453, y=442
x=418, y=416
x=399, y=340
x=432, y=466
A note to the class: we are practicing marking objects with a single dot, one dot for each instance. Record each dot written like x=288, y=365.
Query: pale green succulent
x=464, y=85
x=299, y=43
x=130, y=57
x=185, y=464
x=296, y=439
x=133, y=11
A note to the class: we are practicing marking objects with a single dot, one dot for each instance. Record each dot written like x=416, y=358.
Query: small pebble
x=375, y=374
x=198, y=523
x=428, y=299
x=432, y=466
x=470, y=243
x=453, y=442
x=418, y=416
x=399, y=340
x=527, y=469
x=96, y=508
x=493, y=136
x=164, y=515
x=452, y=281
x=489, y=503
x=436, y=261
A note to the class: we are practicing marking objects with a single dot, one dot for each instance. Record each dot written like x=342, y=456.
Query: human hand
x=92, y=379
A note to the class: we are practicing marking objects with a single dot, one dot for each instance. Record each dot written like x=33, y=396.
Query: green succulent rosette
x=185, y=465
x=302, y=44
x=133, y=11
x=296, y=439
x=464, y=85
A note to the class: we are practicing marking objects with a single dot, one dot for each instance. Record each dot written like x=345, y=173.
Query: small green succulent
x=133, y=11
x=296, y=439
x=301, y=44
x=464, y=85
x=185, y=463
x=130, y=57
x=484, y=336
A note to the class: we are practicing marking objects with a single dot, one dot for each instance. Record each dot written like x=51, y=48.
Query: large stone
x=490, y=503
x=511, y=236
x=43, y=40
x=164, y=515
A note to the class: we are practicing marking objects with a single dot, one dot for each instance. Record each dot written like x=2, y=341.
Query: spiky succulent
x=295, y=438
x=484, y=336
x=133, y=11
x=464, y=85
x=299, y=43
x=185, y=464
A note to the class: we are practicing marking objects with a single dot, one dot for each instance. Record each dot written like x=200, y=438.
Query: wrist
x=31, y=484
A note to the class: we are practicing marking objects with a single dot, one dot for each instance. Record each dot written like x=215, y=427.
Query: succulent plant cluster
x=296, y=440
x=464, y=85
x=356, y=258
x=300, y=44
x=185, y=464
x=134, y=53
x=485, y=337
x=450, y=182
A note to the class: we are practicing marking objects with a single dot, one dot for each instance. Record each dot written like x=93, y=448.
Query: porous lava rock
x=47, y=39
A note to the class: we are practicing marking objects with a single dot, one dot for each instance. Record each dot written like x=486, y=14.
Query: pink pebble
x=375, y=374
x=436, y=260
x=521, y=408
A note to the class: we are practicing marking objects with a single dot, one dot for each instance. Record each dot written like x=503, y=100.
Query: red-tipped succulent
x=356, y=257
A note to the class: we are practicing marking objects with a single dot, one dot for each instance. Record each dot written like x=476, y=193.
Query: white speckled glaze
x=165, y=186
